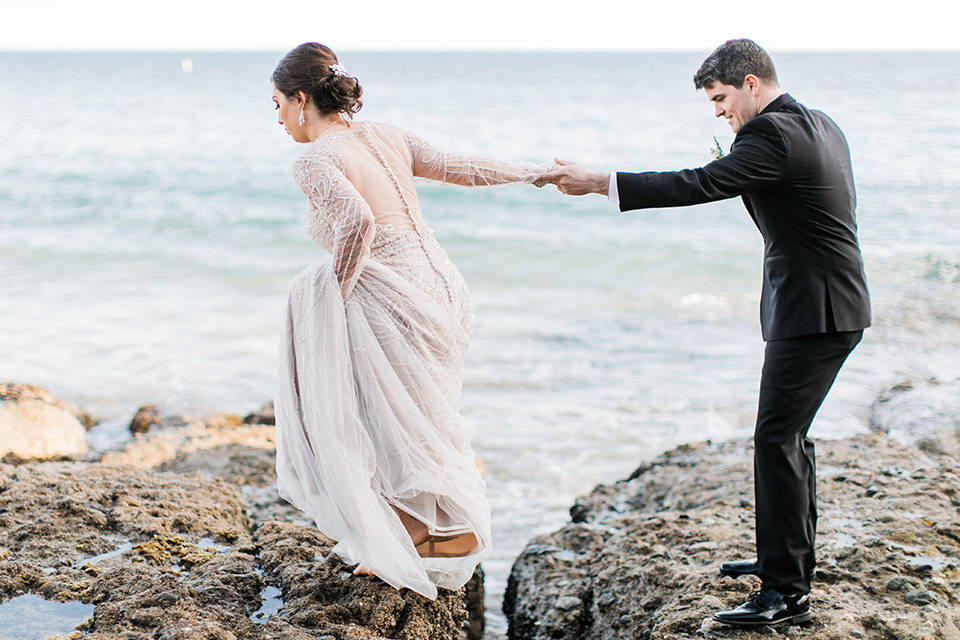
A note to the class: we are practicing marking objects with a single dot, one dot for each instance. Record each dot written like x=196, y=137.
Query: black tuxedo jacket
x=792, y=168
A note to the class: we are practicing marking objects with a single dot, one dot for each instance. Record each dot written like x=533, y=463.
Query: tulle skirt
x=368, y=418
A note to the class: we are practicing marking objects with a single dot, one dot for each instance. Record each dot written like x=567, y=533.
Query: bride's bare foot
x=362, y=571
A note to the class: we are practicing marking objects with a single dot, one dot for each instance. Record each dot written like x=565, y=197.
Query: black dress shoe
x=768, y=607
x=737, y=568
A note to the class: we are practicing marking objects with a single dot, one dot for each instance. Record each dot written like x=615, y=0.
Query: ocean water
x=149, y=228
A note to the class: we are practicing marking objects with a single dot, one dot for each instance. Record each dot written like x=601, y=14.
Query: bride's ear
x=302, y=99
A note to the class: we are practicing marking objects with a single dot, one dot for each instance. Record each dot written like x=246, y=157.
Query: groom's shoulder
x=764, y=129
x=788, y=119
x=795, y=119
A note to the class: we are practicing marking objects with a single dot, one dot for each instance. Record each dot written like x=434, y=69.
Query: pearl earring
x=300, y=120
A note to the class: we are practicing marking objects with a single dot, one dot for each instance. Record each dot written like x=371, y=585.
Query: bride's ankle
x=448, y=547
x=416, y=529
x=420, y=536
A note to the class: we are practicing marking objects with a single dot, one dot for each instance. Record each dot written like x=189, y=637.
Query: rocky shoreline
x=180, y=535
x=638, y=558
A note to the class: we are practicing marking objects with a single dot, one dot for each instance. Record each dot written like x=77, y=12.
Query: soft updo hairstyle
x=307, y=69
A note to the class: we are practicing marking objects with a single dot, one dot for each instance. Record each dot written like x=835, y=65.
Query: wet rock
x=265, y=415
x=568, y=603
x=641, y=555
x=146, y=618
x=899, y=583
x=244, y=456
x=34, y=424
x=473, y=602
x=919, y=597
x=175, y=555
x=175, y=537
x=223, y=420
x=323, y=597
x=146, y=418
x=82, y=531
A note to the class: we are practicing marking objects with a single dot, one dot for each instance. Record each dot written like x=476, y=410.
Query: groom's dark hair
x=733, y=61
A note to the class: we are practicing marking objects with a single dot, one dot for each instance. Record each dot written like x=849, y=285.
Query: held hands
x=574, y=180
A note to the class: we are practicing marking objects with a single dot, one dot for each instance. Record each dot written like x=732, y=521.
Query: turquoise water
x=149, y=228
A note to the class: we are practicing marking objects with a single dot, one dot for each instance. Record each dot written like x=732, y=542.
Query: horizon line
x=467, y=51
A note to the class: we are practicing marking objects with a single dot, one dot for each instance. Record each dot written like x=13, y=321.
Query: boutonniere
x=716, y=151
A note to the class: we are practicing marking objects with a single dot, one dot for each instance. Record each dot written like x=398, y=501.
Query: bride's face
x=289, y=115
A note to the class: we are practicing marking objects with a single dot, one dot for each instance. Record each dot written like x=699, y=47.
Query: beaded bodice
x=361, y=193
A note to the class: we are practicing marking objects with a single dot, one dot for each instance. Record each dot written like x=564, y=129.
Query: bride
x=370, y=440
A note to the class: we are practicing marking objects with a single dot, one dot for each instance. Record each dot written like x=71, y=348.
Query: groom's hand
x=574, y=180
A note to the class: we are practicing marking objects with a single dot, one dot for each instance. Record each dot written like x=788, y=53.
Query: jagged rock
x=245, y=456
x=34, y=424
x=146, y=418
x=159, y=537
x=322, y=596
x=125, y=540
x=265, y=415
x=175, y=555
x=639, y=558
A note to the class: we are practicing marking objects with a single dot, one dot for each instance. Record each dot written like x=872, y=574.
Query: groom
x=791, y=166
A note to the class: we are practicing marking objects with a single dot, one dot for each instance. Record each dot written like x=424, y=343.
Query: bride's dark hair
x=307, y=68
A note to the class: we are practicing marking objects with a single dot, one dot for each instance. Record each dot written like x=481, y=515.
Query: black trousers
x=797, y=374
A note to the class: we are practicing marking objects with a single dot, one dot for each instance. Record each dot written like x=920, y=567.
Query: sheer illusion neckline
x=343, y=134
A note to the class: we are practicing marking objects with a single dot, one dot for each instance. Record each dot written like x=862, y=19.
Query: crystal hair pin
x=338, y=70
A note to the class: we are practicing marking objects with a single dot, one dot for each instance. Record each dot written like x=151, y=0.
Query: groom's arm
x=757, y=161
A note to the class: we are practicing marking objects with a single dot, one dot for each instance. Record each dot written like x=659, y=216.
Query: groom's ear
x=752, y=83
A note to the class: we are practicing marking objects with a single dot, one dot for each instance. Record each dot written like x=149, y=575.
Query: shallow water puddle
x=32, y=618
x=936, y=564
x=271, y=604
x=207, y=543
x=844, y=540
x=97, y=559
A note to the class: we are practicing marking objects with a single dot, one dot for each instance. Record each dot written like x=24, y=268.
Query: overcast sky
x=490, y=25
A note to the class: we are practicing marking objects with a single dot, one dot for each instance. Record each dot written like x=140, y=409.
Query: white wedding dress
x=368, y=393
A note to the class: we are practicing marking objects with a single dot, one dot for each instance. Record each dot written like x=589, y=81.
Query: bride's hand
x=575, y=180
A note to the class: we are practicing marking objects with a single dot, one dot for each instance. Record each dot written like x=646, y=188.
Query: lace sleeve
x=471, y=171
x=322, y=179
